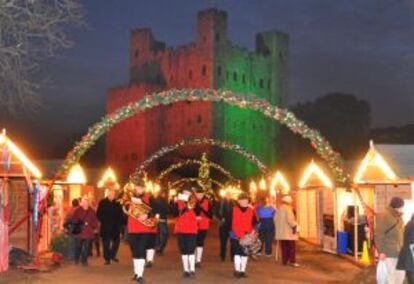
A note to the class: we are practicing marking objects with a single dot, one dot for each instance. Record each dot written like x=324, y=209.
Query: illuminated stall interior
x=316, y=208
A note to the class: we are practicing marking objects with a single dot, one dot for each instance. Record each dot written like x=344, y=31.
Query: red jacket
x=204, y=212
x=89, y=220
x=242, y=222
x=136, y=227
x=186, y=222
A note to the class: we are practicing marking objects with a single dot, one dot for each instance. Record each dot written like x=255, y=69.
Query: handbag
x=382, y=272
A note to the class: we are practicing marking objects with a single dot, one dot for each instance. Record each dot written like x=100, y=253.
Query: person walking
x=287, y=231
x=204, y=212
x=67, y=225
x=389, y=238
x=406, y=256
x=139, y=233
x=162, y=208
x=223, y=215
x=266, y=214
x=243, y=220
x=85, y=215
x=110, y=216
x=186, y=230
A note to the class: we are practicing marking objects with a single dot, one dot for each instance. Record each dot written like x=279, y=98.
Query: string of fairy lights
x=187, y=162
x=285, y=117
x=140, y=170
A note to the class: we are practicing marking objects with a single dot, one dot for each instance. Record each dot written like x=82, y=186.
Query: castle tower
x=212, y=61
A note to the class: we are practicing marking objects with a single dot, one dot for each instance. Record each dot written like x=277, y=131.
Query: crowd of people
x=242, y=223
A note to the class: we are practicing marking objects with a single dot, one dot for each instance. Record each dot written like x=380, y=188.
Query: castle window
x=199, y=119
x=261, y=83
x=189, y=122
x=269, y=82
x=227, y=75
x=254, y=126
x=190, y=74
x=136, y=53
x=134, y=156
x=217, y=37
x=244, y=79
x=204, y=70
x=171, y=78
x=219, y=71
x=235, y=76
x=204, y=38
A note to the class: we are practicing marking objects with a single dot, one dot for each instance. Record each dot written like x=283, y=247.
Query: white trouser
x=395, y=276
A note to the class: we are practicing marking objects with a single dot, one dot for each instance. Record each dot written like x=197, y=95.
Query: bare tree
x=31, y=31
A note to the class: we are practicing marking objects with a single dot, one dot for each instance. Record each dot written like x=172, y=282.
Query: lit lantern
x=314, y=170
x=149, y=186
x=172, y=192
x=108, y=179
x=222, y=193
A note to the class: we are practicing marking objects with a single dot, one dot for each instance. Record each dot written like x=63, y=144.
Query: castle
x=211, y=61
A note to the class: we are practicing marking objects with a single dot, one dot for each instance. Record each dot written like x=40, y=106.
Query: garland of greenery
x=179, y=183
x=285, y=117
x=139, y=171
x=178, y=165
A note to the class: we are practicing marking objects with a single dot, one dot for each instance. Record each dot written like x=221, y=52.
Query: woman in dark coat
x=406, y=257
x=87, y=217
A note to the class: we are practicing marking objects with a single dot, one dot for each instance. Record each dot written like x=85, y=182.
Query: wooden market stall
x=17, y=177
x=385, y=172
x=316, y=208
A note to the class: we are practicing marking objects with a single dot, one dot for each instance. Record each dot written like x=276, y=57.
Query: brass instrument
x=135, y=210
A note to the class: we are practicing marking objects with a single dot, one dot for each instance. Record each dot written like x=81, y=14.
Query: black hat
x=187, y=188
x=199, y=190
x=396, y=202
x=242, y=196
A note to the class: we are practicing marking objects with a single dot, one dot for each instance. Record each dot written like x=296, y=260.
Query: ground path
x=316, y=267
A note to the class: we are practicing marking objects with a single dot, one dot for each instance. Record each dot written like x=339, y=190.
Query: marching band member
x=140, y=232
x=204, y=214
x=242, y=222
x=152, y=235
x=186, y=230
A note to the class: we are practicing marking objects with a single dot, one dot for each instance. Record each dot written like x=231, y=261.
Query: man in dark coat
x=161, y=204
x=406, y=257
x=223, y=214
x=111, y=217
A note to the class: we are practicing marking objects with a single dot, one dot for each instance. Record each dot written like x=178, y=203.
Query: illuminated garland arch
x=285, y=117
x=139, y=171
x=211, y=164
x=186, y=180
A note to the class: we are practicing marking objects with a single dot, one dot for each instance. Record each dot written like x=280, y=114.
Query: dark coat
x=405, y=259
x=111, y=217
x=89, y=222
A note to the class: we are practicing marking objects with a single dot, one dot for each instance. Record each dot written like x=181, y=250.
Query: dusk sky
x=361, y=47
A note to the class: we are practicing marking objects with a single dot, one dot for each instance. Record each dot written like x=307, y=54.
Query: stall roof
x=386, y=163
x=314, y=176
x=13, y=162
x=400, y=158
